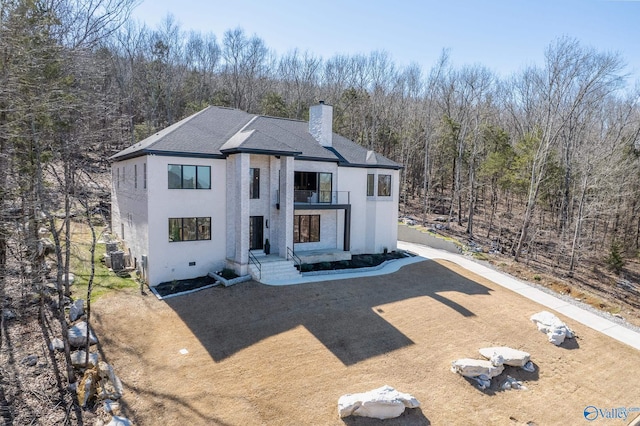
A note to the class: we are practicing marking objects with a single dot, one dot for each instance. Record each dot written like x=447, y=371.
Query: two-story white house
x=209, y=191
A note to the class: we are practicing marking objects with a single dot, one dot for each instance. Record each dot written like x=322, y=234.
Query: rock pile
x=552, y=326
x=99, y=381
x=381, y=403
x=482, y=371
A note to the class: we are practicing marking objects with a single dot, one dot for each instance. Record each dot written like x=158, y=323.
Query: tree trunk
x=576, y=234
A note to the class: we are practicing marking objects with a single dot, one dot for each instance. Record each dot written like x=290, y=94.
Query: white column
x=238, y=212
x=285, y=223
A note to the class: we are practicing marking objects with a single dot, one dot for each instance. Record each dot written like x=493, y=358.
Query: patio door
x=256, y=230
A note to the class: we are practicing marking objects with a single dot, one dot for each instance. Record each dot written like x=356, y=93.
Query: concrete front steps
x=273, y=269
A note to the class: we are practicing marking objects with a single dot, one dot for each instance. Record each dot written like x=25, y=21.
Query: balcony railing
x=317, y=197
x=321, y=197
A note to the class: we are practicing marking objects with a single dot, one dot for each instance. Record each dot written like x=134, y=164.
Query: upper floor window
x=254, y=183
x=370, y=183
x=312, y=187
x=144, y=181
x=384, y=185
x=135, y=176
x=189, y=177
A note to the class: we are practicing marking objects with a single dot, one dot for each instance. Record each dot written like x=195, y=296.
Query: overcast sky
x=503, y=35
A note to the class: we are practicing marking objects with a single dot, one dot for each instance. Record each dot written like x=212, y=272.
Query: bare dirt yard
x=263, y=355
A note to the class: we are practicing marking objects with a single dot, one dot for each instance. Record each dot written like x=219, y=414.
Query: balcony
x=305, y=197
x=320, y=197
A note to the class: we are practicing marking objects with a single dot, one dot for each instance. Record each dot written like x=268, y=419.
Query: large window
x=254, y=184
x=312, y=187
x=384, y=185
x=189, y=229
x=306, y=228
x=370, y=183
x=189, y=177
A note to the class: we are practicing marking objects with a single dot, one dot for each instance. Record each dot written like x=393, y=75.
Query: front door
x=255, y=232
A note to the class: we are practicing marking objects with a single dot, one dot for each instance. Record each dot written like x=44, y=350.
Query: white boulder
x=56, y=344
x=381, y=403
x=78, y=335
x=110, y=385
x=119, y=421
x=78, y=359
x=76, y=310
x=512, y=357
x=476, y=367
x=70, y=277
x=552, y=326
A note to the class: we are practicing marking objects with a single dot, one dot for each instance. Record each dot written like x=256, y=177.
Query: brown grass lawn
x=261, y=355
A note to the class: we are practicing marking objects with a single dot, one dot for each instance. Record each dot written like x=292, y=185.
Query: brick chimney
x=321, y=123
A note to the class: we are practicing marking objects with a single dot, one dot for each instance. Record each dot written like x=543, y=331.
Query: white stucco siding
x=171, y=260
x=129, y=201
x=373, y=219
x=385, y=218
x=354, y=180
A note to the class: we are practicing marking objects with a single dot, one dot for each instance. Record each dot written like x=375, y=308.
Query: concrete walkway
x=590, y=319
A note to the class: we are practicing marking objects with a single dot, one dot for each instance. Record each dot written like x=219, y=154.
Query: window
x=144, y=171
x=312, y=187
x=189, y=229
x=370, y=183
x=189, y=177
x=118, y=177
x=384, y=185
x=135, y=176
x=306, y=228
x=254, y=183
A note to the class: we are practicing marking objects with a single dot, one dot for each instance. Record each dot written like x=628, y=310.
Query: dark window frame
x=194, y=229
x=196, y=177
x=303, y=227
x=308, y=185
x=254, y=183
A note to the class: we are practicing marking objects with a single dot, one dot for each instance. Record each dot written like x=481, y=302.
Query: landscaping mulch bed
x=179, y=286
x=357, y=261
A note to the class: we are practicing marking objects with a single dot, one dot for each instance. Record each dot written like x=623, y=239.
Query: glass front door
x=256, y=232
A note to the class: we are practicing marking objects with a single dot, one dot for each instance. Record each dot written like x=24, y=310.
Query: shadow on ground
x=410, y=417
x=339, y=313
x=517, y=373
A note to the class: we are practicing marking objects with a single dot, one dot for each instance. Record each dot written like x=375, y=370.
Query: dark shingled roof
x=216, y=132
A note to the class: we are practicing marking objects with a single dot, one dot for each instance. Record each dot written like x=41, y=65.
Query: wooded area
x=542, y=162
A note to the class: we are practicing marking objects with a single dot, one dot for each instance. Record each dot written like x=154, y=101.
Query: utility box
x=111, y=247
x=117, y=261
